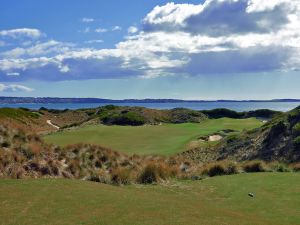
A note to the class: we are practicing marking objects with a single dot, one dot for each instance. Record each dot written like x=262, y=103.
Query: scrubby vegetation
x=26, y=155
x=124, y=118
x=220, y=113
x=276, y=140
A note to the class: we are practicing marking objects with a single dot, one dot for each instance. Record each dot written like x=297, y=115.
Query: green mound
x=219, y=200
x=17, y=114
x=276, y=140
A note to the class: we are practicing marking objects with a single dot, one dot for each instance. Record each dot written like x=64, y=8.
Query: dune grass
x=218, y=200
x=165, y=139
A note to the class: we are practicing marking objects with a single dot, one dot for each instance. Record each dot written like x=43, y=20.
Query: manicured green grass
x=218, y=200
x=166, y=139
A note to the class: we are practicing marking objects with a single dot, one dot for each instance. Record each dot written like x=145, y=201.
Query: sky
x=209, y=49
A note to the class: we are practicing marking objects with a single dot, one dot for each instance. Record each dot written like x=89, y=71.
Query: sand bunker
x=215, y=138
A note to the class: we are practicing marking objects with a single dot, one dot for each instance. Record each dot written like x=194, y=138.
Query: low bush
x=127, y=118
x=153, y=172
x=219, y=113
x=279, y=167
x=296, y=129
x=121, y=176
x=255, y=166
x=149, y=175
x=232, y=138
x=296, y=167
x=297, y=142
x=220, y=168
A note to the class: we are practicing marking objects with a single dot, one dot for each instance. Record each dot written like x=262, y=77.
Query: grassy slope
x=165, y=139
x=219, y=200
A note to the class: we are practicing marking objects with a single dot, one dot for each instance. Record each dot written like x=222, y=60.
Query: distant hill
x=45, y=100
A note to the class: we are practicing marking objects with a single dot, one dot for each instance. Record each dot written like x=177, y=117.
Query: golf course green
x=165, y=139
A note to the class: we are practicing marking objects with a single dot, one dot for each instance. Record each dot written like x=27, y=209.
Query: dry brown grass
x=255, y=166
x=220, y=168
x=296, y=167
x=26, y=155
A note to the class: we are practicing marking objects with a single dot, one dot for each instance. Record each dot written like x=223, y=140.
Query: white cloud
x=85, y=30
x=41, y=48
x=22, y=32
x=265, y=5
x=14, y=88
x=13, y=74
x=172, y=13
x=100, y=30
x=218, y=36
x=133, y=30
x=87, y=20
x=94, y=41
x=116, y=28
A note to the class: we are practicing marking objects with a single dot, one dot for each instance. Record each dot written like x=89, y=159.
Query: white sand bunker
x=215, y=138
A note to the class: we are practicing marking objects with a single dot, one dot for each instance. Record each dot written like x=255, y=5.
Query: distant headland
x=48, y=100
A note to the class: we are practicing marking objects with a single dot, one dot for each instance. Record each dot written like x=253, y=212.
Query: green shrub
x=110, y=107
x=280, y=167
x=125, y=118
x=294, y=117
x=220, y=113
x=232, y=138
x=182, y=115
x=255, y=166
x=296, y=129
x=297, y=142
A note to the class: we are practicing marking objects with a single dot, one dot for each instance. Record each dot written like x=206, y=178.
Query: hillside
x=25, y=155
x=36, y=120
x=278, y=139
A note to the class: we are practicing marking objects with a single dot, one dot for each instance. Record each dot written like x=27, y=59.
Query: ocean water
x=237, y=106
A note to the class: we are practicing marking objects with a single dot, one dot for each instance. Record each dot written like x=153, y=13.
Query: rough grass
x=18, y=114
x=218, y=200
x=166, y=139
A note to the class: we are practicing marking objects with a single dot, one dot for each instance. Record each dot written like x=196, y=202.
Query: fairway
x=219, y=200
x=165, y=139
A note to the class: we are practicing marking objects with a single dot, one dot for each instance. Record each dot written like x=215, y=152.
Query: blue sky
x=213, y=49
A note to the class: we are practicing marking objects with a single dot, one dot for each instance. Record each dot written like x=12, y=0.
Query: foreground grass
x=166, y=139
x=219, y=200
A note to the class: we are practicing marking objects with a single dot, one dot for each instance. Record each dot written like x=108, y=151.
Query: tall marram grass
x=220, y=168
x=255, y=166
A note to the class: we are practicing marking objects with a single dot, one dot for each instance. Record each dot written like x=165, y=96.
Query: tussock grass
x=28, y=156
x=255, y=166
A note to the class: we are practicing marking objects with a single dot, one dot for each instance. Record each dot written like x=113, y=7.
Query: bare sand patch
x=215, y=138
